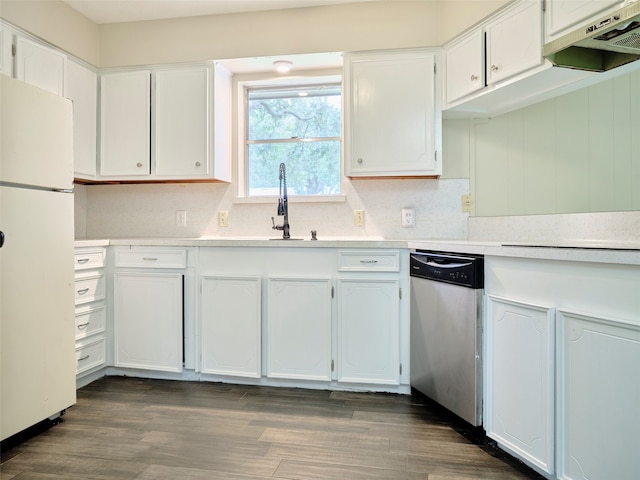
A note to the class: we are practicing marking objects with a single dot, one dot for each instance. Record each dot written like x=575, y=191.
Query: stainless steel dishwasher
x=446, y=330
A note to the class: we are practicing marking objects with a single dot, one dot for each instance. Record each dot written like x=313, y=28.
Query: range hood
x=608, y=43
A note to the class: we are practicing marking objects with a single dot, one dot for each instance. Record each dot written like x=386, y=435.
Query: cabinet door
x=82, y=89
x=391, y=117
x=299, y=328
x=6, y=43
x=148, y=317
x=564, y=15
x=599, y=394
x=40, y=66
x=181, y=130
x=125, y=124
x=231, y=325
x=514, y=42
x=465, y=66
x=519, y=393
x=368, y=331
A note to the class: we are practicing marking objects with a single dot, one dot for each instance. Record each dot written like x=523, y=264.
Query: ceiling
x=117, y=11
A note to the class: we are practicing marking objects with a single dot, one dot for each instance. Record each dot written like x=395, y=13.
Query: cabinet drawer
x=89, y=287
x=90, y=355
x=151, y=258
x=90, y=320
x=88, y=259
x=364, y=261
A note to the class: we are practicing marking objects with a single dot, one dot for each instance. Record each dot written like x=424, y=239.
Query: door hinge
x=435, y=68
x=544, y=5
x=400, y=369
x=332, y=292
x=400, y=293
x=332, y=365
x=13, y=50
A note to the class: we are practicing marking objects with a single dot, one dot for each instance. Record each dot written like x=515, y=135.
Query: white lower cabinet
x=598, y=404
x=90, y=311
x=149, y=308
x=368, y=331
x=231, y=330
x=519, y=382
x=148, y=320
x=299, y=328
x=567, y=392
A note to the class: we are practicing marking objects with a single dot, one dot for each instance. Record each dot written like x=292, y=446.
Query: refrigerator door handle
x=1, y=238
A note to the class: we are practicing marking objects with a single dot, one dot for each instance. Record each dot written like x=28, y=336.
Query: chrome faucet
x=283, y=205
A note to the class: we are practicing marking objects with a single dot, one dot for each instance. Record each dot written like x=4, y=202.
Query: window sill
x=294, y=199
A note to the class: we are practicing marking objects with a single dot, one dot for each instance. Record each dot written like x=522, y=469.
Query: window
x=300, y=126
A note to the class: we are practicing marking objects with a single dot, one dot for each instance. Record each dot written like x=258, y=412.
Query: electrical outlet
x=181, y=218
x=408, y=217
x=358, y=218
x=223, y=218
x=467, y=203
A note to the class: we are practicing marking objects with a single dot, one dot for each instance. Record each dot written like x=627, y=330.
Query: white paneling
x=580, y=152
x=539, y=159
x=572, y=153
x=601, y=153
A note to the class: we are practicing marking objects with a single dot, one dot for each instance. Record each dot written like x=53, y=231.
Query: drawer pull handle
x=83, y=325
x=83, y=291
x=149, y=258
x=84, y=358
x=82, y=260
x=368, y=261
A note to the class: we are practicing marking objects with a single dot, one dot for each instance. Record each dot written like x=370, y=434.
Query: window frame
x=242, y=135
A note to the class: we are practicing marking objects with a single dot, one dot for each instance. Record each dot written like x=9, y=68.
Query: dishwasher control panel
x=459, y=269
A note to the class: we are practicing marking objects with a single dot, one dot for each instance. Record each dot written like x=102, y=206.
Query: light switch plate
x=467, y=203
x=223, y=218
x=358, y=218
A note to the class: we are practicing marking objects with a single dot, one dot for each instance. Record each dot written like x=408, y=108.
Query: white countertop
x=596, y=252
x=626, y=253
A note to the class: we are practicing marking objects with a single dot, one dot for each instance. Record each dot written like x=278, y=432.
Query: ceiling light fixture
x=283, y=66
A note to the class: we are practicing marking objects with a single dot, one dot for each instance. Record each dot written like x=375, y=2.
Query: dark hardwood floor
x=126, y=428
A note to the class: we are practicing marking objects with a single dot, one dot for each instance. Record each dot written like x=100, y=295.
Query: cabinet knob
x=494, y=68
x=360, y=160
x=138, y=164
x=197, y=164
x=474, y=78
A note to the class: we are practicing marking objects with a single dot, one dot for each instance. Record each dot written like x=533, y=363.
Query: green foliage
x=312, y=159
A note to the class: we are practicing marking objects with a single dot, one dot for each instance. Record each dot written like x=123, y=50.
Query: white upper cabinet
x=166, y=124
x=464, y=64
x=514, y=42
x=82, y=89
x=562, y=16
x=507, y=45
x=6, y=44
x=391, y=118
x=40, y=66
x=125, y=124
x=181, y=115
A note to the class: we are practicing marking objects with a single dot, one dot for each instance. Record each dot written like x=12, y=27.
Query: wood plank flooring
x=127, y=428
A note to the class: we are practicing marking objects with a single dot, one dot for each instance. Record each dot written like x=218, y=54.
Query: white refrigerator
x=37, y=356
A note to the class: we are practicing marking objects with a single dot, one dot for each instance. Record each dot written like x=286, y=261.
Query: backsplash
x=149, y=210
x=600, y=227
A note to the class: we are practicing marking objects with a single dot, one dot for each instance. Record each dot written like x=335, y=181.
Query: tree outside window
x=299, y=126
